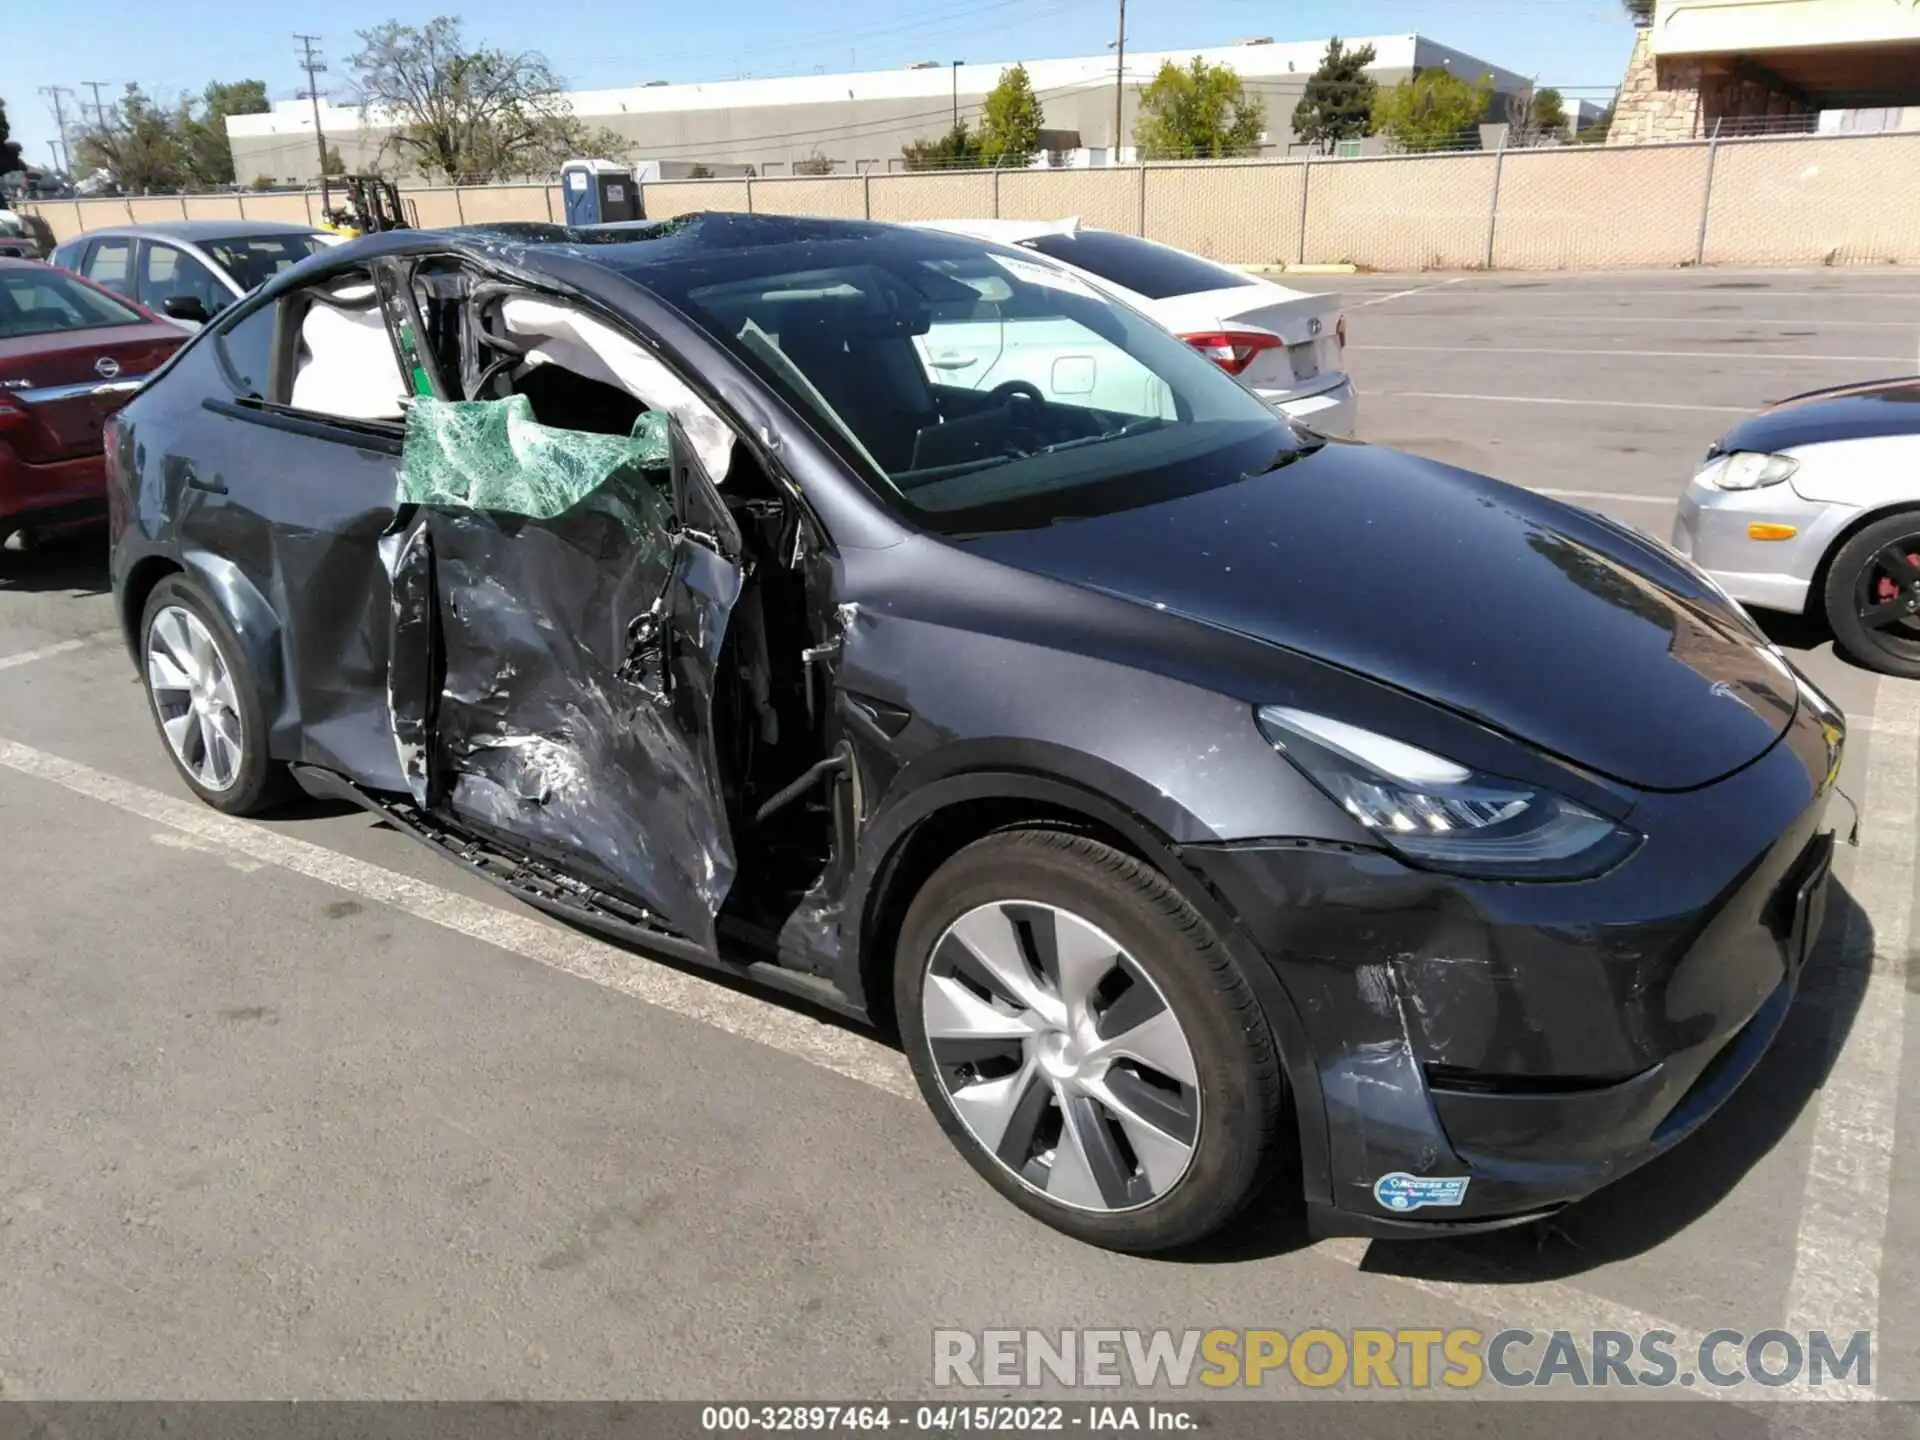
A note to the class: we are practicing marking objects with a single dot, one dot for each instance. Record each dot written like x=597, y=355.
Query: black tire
x=1242, y=1089
x=261, y=783
x=1874, y=569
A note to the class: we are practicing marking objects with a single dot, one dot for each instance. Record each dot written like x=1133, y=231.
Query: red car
x=71, y=353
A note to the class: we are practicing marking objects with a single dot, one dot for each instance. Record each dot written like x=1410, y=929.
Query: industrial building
x=861, y=121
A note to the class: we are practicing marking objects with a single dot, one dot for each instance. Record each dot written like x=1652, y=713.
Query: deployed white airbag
x=574, y=341
x=348, y=368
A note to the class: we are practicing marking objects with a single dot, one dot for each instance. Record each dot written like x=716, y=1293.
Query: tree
x=10, y=158
x=138, y=143
x=958, y=149
x=1640, y=10
x=1338, y=101
x=1536, y=117
x=1010, y=121
x=1201, y=112
x=331, y=161
x=203, y=132
x=1596, y=133
x=814, y=164
x=1429, y=111
x=468, y=115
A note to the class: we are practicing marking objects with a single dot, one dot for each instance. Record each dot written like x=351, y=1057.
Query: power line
x=313, y=65
x=99, y=109
x=53, y=93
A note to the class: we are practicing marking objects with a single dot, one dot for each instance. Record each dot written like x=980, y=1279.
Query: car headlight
x=1440, y=814
x=1747, y=470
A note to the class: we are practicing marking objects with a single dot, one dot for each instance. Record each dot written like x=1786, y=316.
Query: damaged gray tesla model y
x=1193, y=793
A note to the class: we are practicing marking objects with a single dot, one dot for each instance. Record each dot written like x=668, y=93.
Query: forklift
x=369, y=204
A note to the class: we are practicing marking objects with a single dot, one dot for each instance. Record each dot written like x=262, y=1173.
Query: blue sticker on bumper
x=1400, y=1191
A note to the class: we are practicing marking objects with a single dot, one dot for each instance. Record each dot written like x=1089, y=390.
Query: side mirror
x=186, y=307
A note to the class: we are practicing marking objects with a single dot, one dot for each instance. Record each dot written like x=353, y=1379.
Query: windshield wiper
x=1282, y=460
x=1138, y=427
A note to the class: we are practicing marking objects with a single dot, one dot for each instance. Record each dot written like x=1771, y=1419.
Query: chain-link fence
x=1765, y=200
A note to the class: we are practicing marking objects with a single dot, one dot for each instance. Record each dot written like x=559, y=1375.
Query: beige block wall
x=1108, y=199
x=1242, y=214
x=665, y=199
x=483, y=203
x=964, y=196
x=291, y=208
x=157, y=209
x=1426, y=212
x=212, y=207
x=1587, y=207
x=1850, y=201
x=436, y=206
x=841, y=197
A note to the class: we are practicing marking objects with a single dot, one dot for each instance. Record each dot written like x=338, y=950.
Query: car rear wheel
x=1087, y=1042
x=205, y=703
x=1873, y=596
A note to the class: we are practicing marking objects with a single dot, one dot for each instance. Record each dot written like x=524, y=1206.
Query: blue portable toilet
x=599, y=192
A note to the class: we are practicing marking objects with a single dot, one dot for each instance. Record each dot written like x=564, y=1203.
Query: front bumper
x=1334, y=410
x=1711, y=529
x=1540, y=1040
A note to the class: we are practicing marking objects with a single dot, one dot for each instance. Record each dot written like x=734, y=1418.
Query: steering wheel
x=1008, y=389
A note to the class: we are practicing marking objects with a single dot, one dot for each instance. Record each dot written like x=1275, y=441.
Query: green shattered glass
x=493, y=455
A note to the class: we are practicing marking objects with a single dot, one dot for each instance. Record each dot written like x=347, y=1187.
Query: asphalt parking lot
x=295, y=1109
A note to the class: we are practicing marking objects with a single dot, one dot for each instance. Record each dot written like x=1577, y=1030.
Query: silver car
x=189, y=270
x=1813, y=507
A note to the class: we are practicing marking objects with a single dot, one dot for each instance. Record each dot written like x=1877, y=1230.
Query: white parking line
x=1682, y=322
x=1798, y=357
x=59, y=647
x=829, y=1046
x=1556, y=400
x=1843, y=1215
x=1402, y=294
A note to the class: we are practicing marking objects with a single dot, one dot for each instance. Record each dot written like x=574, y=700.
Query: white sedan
x=1287, y=346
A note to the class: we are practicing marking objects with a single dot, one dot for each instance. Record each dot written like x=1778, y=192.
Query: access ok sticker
x=1401, y=1191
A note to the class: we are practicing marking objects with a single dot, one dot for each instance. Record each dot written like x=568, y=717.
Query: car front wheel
x=205, y=703
x=1087, y=1042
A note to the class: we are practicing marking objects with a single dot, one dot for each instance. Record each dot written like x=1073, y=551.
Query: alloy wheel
x=193, y=694
x=1887, y=593
x=1061, y=1056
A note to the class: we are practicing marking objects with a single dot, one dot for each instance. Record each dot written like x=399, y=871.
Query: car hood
x=1546, y=622
x=1853, y=412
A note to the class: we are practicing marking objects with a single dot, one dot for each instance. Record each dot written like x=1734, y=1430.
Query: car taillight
x=1340, y=331
x=1233, y=350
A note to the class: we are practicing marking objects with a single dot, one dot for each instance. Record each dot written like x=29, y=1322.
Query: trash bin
x=599, y=192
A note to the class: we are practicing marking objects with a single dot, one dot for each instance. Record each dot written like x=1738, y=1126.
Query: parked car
x=1813, y=507
x=70, y=354
x=654, y=576
x=20, y=235
x=189, y=270
x=1286, y=346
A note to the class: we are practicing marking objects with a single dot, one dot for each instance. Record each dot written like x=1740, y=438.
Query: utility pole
x=956, y=96
x=313, y=65
x=99, y=109
x=1119, y=79
x=53, y=93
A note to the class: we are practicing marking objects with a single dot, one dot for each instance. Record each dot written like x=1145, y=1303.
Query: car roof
x=195, y=230
x=1006, y=232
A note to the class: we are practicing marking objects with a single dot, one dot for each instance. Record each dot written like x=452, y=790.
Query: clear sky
x=170, y=46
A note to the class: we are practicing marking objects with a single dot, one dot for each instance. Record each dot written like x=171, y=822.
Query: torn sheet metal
x=566, y=706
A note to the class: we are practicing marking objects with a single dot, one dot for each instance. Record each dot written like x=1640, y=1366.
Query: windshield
x=982, y=387
x=255, y=259
x=43, y=301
